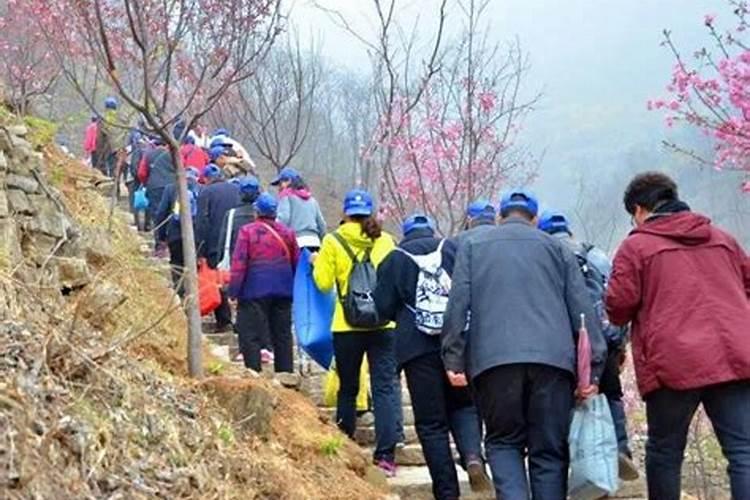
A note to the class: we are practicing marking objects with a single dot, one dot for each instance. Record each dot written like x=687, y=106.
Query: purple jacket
x=263, y=264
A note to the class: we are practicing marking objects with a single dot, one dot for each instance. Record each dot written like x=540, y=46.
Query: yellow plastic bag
x=332, y=384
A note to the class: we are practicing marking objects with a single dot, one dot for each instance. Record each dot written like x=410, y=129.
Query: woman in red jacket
x=684, y=284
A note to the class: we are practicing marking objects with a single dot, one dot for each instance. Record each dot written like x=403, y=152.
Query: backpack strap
x=280, y=240
x=347, y=248
x=230, y=227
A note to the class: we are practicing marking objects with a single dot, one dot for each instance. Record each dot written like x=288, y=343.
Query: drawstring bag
x=140, y=200
x=209, y=297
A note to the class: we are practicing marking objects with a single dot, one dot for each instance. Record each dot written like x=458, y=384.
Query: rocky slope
x=94, y=399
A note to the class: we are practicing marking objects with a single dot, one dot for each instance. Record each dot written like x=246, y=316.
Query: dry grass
x=128, y=422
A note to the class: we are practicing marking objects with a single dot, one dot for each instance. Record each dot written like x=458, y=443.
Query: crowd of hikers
x=486, y=325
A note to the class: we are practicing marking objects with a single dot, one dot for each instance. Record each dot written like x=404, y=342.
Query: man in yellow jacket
x=359, y=238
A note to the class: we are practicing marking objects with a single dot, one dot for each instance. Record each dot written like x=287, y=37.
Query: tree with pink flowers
x=27, y=68
x=711, y=91
x=168, y=62
x=449, y=135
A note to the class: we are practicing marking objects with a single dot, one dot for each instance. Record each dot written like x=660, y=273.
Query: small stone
x=3, y=161
x=20, y=145
x=19, y=202
x=73, y=272
x=26, y=184
x=18, y=130
x=3, y=203
x=101, y=302
x=96, y=243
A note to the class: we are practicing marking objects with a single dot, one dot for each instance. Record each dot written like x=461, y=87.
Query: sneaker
x=266, y=356
x=478, y=479
x=627, y=468
x=366, y=419
x=387, y=466
x=288, y=380
x=401, y=444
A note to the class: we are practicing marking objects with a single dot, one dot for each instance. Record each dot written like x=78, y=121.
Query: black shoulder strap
x=346, y=246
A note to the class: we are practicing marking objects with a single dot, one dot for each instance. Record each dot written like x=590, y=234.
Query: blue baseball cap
x=221, y=141
x=286, y=174
x=221, y=131
x=212, y=171
x=248, y=184
x=417, y=221
x=215, y=152
x=111, y=103
x=553, y=222
x=266, y=205
x=519, y=199
x=358, y=202
x=481, y=209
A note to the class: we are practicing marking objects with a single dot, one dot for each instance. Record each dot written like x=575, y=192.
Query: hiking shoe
x=288, y=380
x=266, y=356
x=627, y=468
x=478, y=479
x=366, y=419
x=387, y=466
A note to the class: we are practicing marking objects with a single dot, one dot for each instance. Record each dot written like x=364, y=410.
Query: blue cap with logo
x=358, y=202
x=212, y=171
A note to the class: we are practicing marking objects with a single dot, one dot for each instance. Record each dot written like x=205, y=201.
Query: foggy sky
x=596, y=61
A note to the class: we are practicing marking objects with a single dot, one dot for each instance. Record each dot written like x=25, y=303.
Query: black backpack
x=359, y=302
x=596, y=283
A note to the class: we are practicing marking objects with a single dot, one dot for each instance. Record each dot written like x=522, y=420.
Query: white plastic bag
x=593, y=451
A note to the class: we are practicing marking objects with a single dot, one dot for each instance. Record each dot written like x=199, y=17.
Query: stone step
x=365, y=435
x=409, y=455
x=330, y=413
x=316, y=394
x=228, y=339
x=415, y=483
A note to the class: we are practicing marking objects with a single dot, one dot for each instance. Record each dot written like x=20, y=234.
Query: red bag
x=584, y=356
x=209, y=297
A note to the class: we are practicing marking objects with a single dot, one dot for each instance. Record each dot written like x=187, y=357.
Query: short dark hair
x=649, y=190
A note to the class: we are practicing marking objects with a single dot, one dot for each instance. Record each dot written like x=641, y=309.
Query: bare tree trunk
x=190, y=277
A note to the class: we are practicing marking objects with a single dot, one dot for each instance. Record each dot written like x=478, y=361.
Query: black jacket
x=397, y=283
x=244, y=214
x=161, y=170
x=214, y=202
x=170, y=230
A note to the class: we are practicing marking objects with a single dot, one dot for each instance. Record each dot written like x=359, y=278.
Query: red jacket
x=193, y=156
x=684, y=284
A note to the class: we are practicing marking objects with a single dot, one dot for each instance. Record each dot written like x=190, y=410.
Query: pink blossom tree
x=27, y=68
x=449, y=135
x=168, y=61
x=711, y=91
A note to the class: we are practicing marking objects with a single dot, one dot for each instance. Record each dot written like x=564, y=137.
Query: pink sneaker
x=388, y=467
x=266, y=357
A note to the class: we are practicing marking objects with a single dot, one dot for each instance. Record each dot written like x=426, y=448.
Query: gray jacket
x=302, y=214
x=526, y=293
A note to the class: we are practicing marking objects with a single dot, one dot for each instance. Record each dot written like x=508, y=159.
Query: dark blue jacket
x=214, y=202
x=397, y=283
x=161, y=170
x=170, y=230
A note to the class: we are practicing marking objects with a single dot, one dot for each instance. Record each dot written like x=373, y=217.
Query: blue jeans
x=526, y=409
x=440, y=409
x=669, y=413
x=349, y=349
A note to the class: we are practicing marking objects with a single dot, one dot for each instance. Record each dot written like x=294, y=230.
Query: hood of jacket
x=687, y=228
x=302, y=193
x=352, y=233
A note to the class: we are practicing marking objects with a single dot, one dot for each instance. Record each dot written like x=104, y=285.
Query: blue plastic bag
x=593, y=451
x=140, y=200
x=312, y=311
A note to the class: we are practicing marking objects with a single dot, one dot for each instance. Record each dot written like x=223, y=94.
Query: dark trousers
x=260, y=319
x=611, y=387
x=177, y=263
x=349, y=349
x=437, y=408
x=223, y=313
x=669, y=413
x=154, y=198
x=526, y=409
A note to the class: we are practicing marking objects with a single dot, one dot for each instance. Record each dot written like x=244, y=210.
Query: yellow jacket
x=333, y=265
